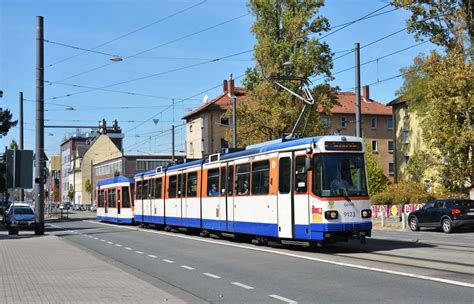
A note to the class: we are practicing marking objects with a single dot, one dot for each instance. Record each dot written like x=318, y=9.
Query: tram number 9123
x=349, y=214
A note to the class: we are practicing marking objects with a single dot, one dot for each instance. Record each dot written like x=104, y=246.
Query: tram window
x=152, y=189
x=213, y=182
x=145, y=189
x=223, y=182
x=158, y=187
x=242, y=179
x=301, y=175
x=260, y=177
x=139, y=190
x=112, y=203
x=99, y=199
x=104, y=195
x=125, y=198
x=192, y=184
x=284, y=175
x=172, y=187
x=230, y=180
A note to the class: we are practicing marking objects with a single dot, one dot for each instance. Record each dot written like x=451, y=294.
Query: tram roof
x=115, y=180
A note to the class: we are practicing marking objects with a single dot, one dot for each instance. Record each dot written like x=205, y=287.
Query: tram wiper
x=342, y=192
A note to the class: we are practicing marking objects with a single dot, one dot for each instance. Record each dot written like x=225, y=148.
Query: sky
x=168, y=49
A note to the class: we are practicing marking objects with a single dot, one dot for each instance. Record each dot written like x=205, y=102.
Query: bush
x=382, y=198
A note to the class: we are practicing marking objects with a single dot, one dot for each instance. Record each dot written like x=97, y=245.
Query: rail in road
x=226, y=271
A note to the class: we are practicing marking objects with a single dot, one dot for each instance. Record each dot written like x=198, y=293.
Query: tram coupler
x=362, y=239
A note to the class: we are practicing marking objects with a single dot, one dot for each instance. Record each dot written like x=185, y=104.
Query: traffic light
x=103, y=126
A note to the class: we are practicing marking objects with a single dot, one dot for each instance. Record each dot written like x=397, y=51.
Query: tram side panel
x=138, y=202
x=157, y=202
x=173, y=200
x=255, y=207
x=211, y=219
x=301, y=187
x=191, y=202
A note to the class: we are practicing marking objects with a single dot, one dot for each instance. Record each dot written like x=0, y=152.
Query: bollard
x=382, y=219
x=404, y=221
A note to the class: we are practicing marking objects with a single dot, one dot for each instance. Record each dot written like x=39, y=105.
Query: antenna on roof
x=205, y=98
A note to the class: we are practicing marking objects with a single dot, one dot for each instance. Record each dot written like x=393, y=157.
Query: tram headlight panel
x=366, y=213
x=331, y=215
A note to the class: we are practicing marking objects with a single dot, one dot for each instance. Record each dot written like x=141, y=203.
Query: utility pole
x=39, y=153
x=22, y=191
x=357, y=88
x=233, y=98
x=172, y=144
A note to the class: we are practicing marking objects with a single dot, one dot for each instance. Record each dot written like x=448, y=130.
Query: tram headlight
x=331, y=215
x=366, y=213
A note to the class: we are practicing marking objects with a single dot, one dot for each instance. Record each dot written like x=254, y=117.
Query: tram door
x=285, y=195
x=226, y=199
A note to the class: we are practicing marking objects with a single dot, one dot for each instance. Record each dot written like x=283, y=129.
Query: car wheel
x=447, y=225
x=414, y=224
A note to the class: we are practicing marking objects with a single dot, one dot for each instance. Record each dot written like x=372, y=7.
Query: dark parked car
x=445, y=213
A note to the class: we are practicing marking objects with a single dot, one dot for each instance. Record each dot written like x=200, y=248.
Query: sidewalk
x=48, y=269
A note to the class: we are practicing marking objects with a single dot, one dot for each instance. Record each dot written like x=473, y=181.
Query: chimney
x=231, y=87
x=365, y=93
x=224, y=86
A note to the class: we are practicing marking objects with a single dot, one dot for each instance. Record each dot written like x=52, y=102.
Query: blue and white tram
x=115, y=200
x=310, y=189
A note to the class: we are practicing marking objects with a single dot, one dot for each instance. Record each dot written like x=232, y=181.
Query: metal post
x=39, y=153
x=172, y=144
x=234, y=121
x=92, y=181
x=404, y=220
x=13, y=228
x=357, y=92
x=22, y=191
x=382, y=219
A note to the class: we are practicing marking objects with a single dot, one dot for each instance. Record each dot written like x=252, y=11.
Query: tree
x=88, y=186
x=440, y=88
x=6, y=122
x=377, y=181
x=418, y=164
x=285, y=31
x=71, y=193
x=13, y=145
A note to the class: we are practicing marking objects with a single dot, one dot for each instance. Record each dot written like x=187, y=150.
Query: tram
x=115, y=200
x=311, y=190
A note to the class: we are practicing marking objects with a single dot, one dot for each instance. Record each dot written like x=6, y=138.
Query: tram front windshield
x=339, y=175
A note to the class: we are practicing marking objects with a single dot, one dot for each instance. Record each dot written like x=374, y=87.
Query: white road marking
x=152, y=256
x=283, y=299
x=96, y=238
x=393, y=272
x=102, y=240
x=118, y=245
x=111, y=243
x=139, y=252
x=128, y=248
x=168, y=261
x=211, y=275
x=242, y=285
x=187, y=267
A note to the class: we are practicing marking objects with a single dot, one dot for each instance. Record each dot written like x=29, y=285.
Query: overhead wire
x=130, y=33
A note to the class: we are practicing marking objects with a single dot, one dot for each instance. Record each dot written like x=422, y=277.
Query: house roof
x=396, y=101
x=221, y=102
x=368, y=107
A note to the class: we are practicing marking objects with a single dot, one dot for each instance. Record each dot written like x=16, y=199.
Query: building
x=68, y=151
x=53, y=183
x=408, y=138
x=206, y=126
x=104, y=159
x=377, y=125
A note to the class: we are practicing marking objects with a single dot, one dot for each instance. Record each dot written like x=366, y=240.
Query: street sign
x=23, y=166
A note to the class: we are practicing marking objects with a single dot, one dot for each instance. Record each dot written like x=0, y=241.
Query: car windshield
x=23, y=210
x=339, y=175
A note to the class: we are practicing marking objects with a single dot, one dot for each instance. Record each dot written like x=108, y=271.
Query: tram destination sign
x=343, y=146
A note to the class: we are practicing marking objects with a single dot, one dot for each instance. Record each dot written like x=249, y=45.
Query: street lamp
x=116, y=58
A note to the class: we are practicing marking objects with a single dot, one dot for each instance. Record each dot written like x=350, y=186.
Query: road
x=224, y=271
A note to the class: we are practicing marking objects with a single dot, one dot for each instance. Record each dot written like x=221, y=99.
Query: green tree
x=285, y=31
x=71, y=193
x=418, y=164
x=6, y=122
x=440, y=88
x=377, y=181
x=88, y=186
x=13, y=145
